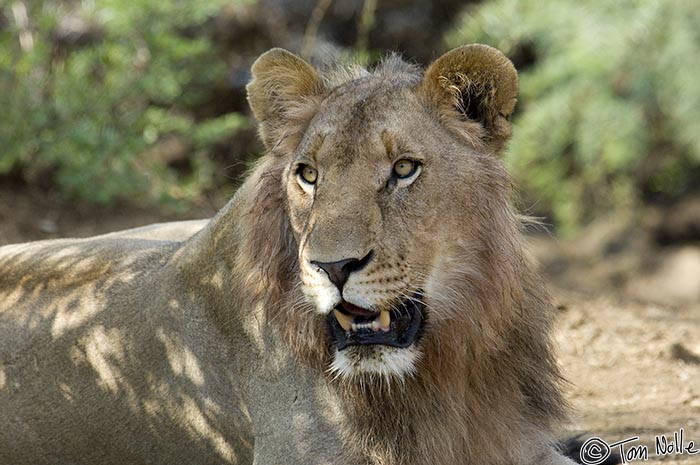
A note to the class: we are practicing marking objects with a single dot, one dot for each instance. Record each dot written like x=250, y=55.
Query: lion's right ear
x=283, y=95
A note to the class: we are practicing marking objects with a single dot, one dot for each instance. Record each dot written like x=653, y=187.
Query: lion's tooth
x=344, y=320
x=384, y=320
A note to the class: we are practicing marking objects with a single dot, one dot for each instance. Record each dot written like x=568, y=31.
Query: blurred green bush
x=111, y=99
x=609, y=109
x=97, y=96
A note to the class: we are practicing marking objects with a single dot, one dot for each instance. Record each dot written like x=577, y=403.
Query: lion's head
x=407, y=249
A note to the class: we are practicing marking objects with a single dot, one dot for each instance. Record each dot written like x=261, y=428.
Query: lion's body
x=209, y=342
x=111, y=352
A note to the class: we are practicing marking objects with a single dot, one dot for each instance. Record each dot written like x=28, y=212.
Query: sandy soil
x=628, y=334
x=628, y=327
x=633, y=368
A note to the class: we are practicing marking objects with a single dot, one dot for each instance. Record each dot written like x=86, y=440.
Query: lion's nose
x=338, y=272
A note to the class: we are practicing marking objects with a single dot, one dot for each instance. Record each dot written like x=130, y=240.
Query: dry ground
x=633, y=368
x=628, y=327
x=628, y=334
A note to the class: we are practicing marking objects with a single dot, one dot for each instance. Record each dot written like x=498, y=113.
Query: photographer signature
x=595, y=450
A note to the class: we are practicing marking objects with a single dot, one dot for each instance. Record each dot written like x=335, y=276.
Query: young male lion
x=363, y=299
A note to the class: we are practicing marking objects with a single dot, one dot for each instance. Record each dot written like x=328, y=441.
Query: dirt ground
x=628, y=326
x=628, y=334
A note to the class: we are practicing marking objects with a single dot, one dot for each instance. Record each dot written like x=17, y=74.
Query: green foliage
x=92, y=114
x=609, y=108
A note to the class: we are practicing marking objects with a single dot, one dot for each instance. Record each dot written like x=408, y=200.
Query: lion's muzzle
x=400, y=327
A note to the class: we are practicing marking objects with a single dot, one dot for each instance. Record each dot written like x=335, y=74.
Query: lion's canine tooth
x=384, y=320
x=344, y=320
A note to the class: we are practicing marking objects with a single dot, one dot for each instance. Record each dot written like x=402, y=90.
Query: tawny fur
x=203, y=343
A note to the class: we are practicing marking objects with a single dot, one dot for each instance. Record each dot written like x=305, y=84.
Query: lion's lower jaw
x=386, y=362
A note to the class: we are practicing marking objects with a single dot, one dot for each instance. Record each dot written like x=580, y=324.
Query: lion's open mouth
x=352, y=325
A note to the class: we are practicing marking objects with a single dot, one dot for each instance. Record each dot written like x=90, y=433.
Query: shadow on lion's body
x=189, y=343
x=116, y=350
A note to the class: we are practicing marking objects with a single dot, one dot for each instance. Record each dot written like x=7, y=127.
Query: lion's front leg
x=552, y=457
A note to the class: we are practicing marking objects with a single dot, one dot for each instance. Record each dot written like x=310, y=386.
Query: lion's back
x=45, y=268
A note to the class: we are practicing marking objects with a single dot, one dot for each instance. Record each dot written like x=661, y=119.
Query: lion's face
x=382, y=202
x=367, y=201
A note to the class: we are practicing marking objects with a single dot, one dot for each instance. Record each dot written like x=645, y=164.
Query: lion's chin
x=357, y=362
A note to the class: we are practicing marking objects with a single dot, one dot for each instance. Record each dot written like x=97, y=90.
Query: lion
x=364, y=298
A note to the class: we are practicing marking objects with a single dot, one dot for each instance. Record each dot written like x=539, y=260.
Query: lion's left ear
x=474, y=88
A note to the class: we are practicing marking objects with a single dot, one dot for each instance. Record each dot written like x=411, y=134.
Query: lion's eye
x=307, y=174
x=404, y=168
